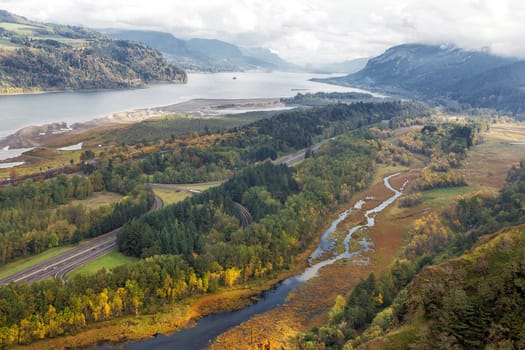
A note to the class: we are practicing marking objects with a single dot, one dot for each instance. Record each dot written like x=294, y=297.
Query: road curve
x=60, y=265
x=74, y=257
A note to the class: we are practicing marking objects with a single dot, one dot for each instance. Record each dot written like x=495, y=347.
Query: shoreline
x=42, y=135
x=145, y=85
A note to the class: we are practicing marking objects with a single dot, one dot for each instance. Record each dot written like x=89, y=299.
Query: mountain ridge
x=444, y=73
x=205, y=54
x=49, y=57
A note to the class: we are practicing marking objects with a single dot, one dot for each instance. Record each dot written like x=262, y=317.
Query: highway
x=66, y=262
x=70, y=260
x=61, y=265
x=296, y=157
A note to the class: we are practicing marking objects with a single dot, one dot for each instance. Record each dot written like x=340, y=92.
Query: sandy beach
x=43, y=135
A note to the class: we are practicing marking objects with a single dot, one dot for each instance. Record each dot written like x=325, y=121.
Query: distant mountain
x=268, y=56
x=42, y=57
x=164, y=42
x=445, y=73
x=349, y=66
x=204, y=54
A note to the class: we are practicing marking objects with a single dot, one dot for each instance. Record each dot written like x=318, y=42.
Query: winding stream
x=209, y=327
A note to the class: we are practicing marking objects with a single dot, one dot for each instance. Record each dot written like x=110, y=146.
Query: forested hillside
x=446, y=75
x=204, y=243
x=40, y=57
x=457, y=303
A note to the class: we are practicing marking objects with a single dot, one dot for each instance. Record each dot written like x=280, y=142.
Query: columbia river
x=18, y=111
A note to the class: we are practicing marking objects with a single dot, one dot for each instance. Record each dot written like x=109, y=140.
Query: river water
x=209, y=327
x=18, y=111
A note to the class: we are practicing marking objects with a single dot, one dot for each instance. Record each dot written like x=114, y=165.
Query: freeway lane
x=84, y=259
x=74, y=257
x=66, y=262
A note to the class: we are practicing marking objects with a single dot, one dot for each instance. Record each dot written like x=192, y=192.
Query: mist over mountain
x=348, y=66
x=443, y=74
x=205, y=54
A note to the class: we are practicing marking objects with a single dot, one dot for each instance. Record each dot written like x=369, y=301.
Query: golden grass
x=200, y=186
x=40, y=160
x=308, y=305
x=487, y=164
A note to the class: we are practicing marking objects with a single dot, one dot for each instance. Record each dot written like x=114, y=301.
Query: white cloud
x=304, y=30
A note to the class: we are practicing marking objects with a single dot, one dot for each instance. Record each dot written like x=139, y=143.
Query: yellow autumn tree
x=231, y=275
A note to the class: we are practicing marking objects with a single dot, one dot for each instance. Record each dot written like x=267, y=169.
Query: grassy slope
x=108, y=262
x=487, y=265
x=97, y=199
x=170, y=196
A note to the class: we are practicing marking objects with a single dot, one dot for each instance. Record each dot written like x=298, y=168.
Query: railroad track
x=245, y=216
x=64, y=263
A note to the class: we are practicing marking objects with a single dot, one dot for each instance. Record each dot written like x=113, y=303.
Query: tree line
x=38, y=215
x=215, y=157
x=197, y=246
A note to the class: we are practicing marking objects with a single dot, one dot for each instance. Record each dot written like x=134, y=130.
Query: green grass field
x=19, y=265
x=40, y=32
x=6, y=44
x=108, y=262
x=21, y=29
x=98, y=199
x=201, y=187
x=171, y=196
x=443, y=197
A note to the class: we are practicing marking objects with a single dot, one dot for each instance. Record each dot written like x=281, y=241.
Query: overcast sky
x=304, y=31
